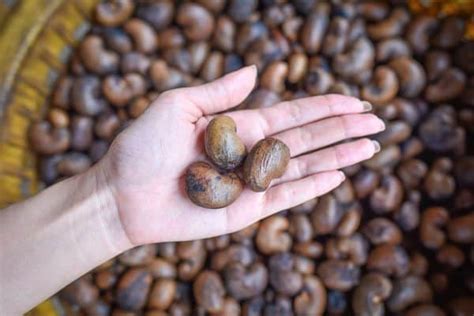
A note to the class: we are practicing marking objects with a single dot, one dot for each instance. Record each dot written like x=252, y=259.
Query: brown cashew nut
x=373, y=10
x=391, y=48
x=85, y=96
x=432, y=220
x=107, y=126
x=114, y=13
x=95, y=57
x=81, y=292
x=409, y=291
x=425, y=310
x=354, y=248
x=411, y=76
x=209, y=291
x=326, y=215
x=144, y=36
x=395, y=132
x=133, y=288
x=312, y=33
x=388, y=196
x=245, y=282
x=224, y=34
x=120, y=90
x=448, y=86
x=382, y=88
x=283, y=275
x=461, y=229
x=62, y=92
x=301, y=228
x=213, y=66
x=135, y=62
x=234, y=253
x=382, y=231
x=369, y=296
x=389, y=260
x=158, y=14
x=359, y=58
x=341, y=275
x=392, y=26
x=419, y=32
x=272, y=235
x=162, y=294
x=199, y=52
x=365, y=182
x=138, y=256
x=387, y=158
x=439, y=183
x=223, y=146
x=73, y=163
x=207, y=187
x=197, y=22
x=82, y=132
x=312, y=299
x=297, y=67
x=164, y=77
x=192, y=256
x=318, y=81
x=436, y=63
x=309, y=249
x=336, y=37
x=117, y=40
x=274, y=76
x=350, y=221
x=47, y=140
x=267, y=160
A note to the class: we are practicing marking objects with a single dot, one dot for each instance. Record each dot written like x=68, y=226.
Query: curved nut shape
x=223, y=146
x=208, y=188
x=266, y=161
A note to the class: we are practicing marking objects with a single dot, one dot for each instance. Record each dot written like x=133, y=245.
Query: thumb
x=223, y=93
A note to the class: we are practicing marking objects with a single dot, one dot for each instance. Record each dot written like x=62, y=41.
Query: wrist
x=106, y=209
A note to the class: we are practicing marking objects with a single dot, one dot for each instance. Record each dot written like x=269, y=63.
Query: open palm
x=146, y=164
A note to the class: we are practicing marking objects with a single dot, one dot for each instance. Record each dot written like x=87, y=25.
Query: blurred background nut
x=312, y=299
x=370, y=295
x=133, y=288
x=409, y=291
x=209, y=291
x=95, y=57
x=114, y=13
x=339, y=275
x=389, y=260
x=272, y=235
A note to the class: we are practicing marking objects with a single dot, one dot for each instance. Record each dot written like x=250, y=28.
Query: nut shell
x=209, y=188
x=266, y=161
x=223, y=145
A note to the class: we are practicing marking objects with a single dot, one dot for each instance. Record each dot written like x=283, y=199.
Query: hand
x=146, y=163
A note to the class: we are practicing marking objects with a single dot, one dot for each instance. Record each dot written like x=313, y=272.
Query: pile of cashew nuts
x=396, y=238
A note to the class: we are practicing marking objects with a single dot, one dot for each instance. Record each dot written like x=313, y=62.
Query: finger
x=329, y=131
x=298, y=112
x=289, y=194
x=223, y=93
x=332, y=158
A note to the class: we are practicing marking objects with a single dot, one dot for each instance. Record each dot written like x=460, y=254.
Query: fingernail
x=382, y=125
x=366, y=106
x=376, y=146
x=342, y=175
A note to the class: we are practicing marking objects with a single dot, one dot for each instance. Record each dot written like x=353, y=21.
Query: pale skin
x=135, y=195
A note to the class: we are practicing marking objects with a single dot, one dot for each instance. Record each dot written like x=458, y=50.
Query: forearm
x=53, y=238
